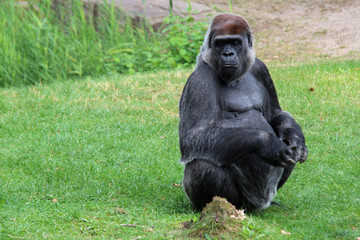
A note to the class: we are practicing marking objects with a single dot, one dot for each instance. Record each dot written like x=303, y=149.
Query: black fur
x=235, y=140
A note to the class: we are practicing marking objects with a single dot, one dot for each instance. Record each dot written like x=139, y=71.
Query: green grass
x=74, y=155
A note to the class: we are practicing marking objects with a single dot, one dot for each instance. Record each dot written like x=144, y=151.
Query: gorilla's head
x=228, y=46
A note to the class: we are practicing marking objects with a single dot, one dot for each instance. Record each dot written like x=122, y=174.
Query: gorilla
x=235, y=140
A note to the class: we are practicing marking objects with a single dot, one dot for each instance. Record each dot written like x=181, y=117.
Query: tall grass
x=41, y=44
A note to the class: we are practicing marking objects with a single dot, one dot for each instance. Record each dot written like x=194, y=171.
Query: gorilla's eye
x=237, y=43
x=219, y=44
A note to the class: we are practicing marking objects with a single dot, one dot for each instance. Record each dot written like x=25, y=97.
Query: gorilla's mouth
x=229, y=68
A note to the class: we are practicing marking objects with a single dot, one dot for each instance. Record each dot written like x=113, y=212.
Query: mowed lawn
x=97, y=158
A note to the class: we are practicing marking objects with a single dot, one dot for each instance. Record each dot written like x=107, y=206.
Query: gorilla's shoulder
x=258, y=65
x=203, y=77
x=202, y=70
x=259, y=69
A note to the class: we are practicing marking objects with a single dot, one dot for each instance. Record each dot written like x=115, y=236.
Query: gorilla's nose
x=228, y=54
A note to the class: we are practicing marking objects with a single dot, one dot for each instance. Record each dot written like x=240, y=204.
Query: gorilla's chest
x=242, y=96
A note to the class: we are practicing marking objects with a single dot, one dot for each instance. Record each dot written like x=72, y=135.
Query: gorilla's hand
x=295, y=143
x=276, y=152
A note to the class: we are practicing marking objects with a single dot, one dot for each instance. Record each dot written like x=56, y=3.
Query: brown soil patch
x=298, y=31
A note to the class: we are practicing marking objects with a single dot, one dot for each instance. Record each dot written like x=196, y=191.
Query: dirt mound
x=219, y=219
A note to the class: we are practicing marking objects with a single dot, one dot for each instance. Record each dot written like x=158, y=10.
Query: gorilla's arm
x=290, y=133
x=201, y=137
x=282, y=122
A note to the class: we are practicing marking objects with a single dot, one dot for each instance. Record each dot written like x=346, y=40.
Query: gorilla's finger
x=304, y=154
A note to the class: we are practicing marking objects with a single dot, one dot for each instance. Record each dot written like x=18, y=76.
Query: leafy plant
x=184, y=37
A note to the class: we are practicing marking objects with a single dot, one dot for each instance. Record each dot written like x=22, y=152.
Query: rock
x=154, y=11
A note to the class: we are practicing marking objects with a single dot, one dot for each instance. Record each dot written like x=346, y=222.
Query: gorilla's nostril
x=228, y=54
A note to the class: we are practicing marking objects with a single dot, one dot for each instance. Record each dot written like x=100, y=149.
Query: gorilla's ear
x=209, y=38
x=250, y=41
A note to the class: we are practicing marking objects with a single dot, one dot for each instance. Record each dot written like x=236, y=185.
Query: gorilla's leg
x=203, y=180
x=257, y=181
x=286, y=174
x=249, y=183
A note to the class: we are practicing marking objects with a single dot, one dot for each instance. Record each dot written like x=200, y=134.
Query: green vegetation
x=40, y=44
x=96, y=158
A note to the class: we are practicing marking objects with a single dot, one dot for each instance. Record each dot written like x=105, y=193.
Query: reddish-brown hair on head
x=228, y=24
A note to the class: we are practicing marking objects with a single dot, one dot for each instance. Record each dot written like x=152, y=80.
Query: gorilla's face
x=231, y=55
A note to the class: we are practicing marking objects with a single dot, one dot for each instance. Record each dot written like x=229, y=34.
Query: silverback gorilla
x=235, y=140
